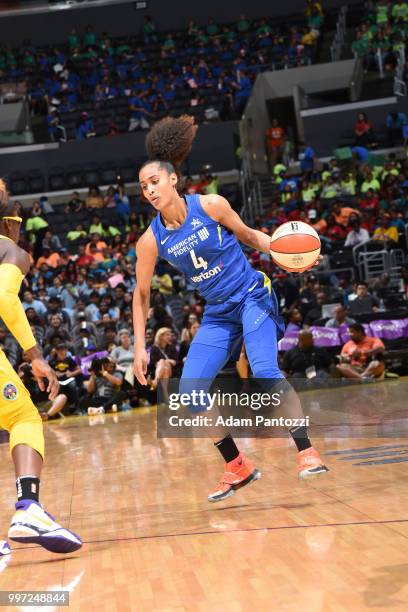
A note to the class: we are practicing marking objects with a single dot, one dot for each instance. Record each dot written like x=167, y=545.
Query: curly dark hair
x=169, y=142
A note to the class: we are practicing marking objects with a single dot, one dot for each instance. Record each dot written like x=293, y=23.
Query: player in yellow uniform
x=18, y=415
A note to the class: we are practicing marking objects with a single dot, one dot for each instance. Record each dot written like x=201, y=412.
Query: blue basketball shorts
x=254, y=319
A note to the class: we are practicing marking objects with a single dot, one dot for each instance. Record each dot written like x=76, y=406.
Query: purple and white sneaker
x=31, y=524
x=4, y=548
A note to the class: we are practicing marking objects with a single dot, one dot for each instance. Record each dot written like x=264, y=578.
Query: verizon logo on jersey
x=204, y=275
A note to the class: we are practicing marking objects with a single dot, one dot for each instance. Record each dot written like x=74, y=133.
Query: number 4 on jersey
x=200, y=262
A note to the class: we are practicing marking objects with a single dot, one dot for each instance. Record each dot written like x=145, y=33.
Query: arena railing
x=336, y=48
x=356, y=83
x=372, y=260
x=400, y=87
x=252, y=205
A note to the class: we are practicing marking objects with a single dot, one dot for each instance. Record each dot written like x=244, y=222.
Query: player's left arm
x=219, y=209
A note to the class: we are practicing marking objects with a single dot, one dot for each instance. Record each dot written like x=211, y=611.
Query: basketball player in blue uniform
x=200, y=235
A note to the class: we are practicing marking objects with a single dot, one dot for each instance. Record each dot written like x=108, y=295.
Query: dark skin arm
x=12, y=254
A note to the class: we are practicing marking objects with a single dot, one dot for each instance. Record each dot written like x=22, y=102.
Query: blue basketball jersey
x=207, y=253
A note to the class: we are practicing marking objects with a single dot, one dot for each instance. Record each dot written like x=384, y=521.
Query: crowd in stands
x=96, y=84
x=382, y=32
x=348, y=201
x=354, y=200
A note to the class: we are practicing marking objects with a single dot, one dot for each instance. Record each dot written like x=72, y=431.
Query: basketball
x=295, y=246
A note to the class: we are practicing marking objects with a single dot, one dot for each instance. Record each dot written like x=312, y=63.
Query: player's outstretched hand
x=41, y=369
x=140, y=366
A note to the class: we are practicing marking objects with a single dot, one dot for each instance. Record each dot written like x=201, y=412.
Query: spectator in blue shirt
x=122, y=203
x=37, y=99
x=138, y=113
x=360, y=154
x=395, y=123
x=29, y=301
x=140, y=56
x=306, y=158
x=243, y=91
x=85, y=128
x=292, y=181
x=99, y=96
x=169, y=94
x=54, y=125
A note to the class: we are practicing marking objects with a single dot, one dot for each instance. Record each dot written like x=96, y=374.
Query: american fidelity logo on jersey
x=189, y=243
x=10, y=391
x=196, y=222
x=204, y=275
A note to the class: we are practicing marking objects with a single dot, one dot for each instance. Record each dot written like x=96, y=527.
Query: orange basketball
x=295, y=246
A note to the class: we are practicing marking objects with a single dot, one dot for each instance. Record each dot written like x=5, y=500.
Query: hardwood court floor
x=153, y=542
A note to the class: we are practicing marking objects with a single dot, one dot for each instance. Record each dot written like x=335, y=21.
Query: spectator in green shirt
x=348, y=185
x=34, y=224
x=369, y=30
x=29, y=60
x=382, y=42
x=213, y=29
x=36, y=227
x=193, y=29
x=11, y=60
x=331, y=189
x=370, y=183
x=122, y=48
x=315, y=20
x=360, y=46
x=110, y=230
x=73, y=39
x=308, y=192
x=243, y=25
x=228, y=34
x=212, y=185
x=90, y=37
x=169, y=46
x=382, y=12
x=149, y=31
x=96, y=226
x=202, y=38
x=78, y=232
x=400, y=11
x=264, y=29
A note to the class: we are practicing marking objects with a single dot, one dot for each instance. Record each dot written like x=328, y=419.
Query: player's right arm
x=146, y=253
x=15, y=263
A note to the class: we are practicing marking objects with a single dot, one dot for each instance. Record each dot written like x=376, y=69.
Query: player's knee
x=28, y=430
x=269, y=371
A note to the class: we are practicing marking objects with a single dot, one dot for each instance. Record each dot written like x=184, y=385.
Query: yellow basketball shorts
x=18, y=415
